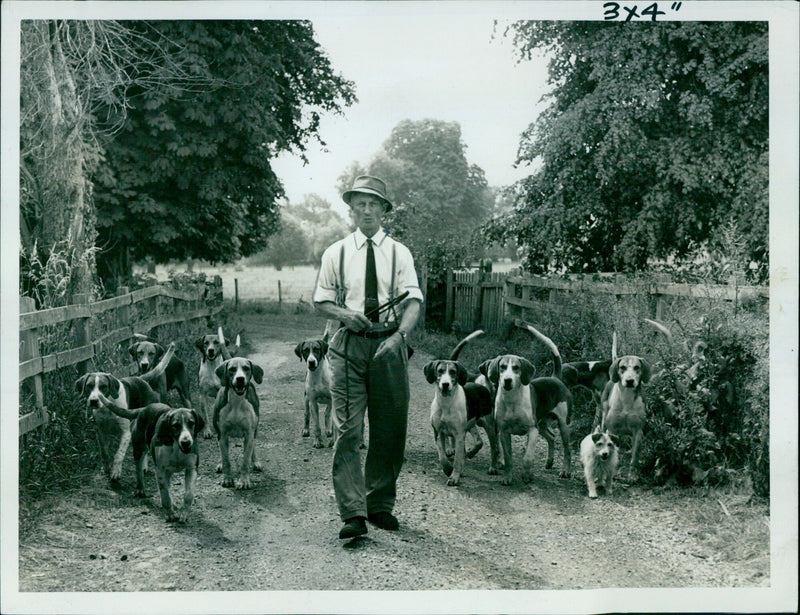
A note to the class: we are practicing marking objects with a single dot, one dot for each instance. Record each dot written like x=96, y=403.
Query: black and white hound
x=317, y=389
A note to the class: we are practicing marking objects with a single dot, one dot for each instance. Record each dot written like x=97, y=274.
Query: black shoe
x=384, y=520
x=353, y=527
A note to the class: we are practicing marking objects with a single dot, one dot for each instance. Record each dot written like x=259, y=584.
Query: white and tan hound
x=600, y=458
x=130, y=392
x=214, y=351
x=236, y=415
x=317, y=389
x=523, y=407
x=624, y=409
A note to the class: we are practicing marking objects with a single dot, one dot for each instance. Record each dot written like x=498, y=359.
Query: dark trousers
x=379, y=387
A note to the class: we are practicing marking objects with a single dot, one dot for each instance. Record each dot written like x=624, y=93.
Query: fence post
x=661, y=278
x=448, y=303
x=280, y=295
x=423, y=285
x=29, y=349
x=236, y=293
x=83, y=336
x=478, y=286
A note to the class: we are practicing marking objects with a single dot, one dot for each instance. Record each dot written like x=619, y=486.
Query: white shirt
x=355, y=266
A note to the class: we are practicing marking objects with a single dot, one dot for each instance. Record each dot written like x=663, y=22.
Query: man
x=369, y=356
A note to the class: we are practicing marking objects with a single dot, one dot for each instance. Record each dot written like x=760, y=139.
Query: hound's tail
x=457, y=350
x=661, y=329
x=227, y=353
x=614, y=354
x=547, y=342
x=161, y=365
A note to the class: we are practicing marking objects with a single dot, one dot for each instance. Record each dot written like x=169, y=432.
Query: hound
x=131, y=392
x=214, y=350
x=523, y=406
x=600, y=459
x=623, y=404
x=457, y=406
x=146, y=353
x=317, y=388
x=236, y=415
x=170, y=435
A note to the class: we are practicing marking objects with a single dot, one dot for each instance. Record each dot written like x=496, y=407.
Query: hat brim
x=348, y=193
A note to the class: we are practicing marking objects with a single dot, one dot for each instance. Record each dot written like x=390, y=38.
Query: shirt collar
x=361, y=238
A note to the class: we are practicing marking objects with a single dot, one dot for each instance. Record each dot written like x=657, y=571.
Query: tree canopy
x=189, y=174
x=439, y=198
x=655, y=138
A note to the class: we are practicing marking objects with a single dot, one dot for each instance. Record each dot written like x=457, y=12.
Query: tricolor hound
x=214, y=350
x=317, y=389
x=146, y=353
x=236, y=414
x=131, y=392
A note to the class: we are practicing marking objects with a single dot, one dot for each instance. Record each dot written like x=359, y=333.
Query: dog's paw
x=447, y=468
x=593, y=495
x=318, y=443
x=243, y=482
x=329, y=433
x=565, y=474
x=207, y=434
x=183, y=515
x=227, y=481
x=453, y=481
x=450, y=453
x=527, y=477
x=330, y=443
x=172, y=515
x=506, y=480
x=257, y=467
x=493, y=471
x=219, y=468
x=139, y=493
x=116, y=474
x=304, y=433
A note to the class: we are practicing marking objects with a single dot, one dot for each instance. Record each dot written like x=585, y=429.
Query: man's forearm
x=330, y=309
x=410, y=315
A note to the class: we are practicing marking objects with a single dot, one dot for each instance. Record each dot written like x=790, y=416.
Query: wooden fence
x=98, y=327
x=488, y=301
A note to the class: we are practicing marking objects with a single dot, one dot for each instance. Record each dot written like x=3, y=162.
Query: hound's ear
x=493, y=371
x=258, y=373
x=199, y=423
x=526, y=372
x=596, y=436
x=430, y=371
x=164, y=429
x=80, y=383
x=159, y=351
x=220, y=372
x=324, y=347
x=614, y=439
x=298, y=350
x=484, y=366
x=646, y=371
x=113, y=383
x=613, y=371
x=200, y=342
x=132, y=349
x=462, y=374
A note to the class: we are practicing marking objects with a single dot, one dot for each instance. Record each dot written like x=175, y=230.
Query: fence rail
x=489, y=300
x=156, y=306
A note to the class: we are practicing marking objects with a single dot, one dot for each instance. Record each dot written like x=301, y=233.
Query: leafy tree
x=438, y=197
x=289, y=246
x=656, y=135
x=320, y=224
x=190, y=175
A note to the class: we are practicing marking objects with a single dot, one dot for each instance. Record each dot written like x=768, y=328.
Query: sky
x=444, y=67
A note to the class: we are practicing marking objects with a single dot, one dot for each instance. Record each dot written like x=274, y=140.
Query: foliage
x=656, y=135
x=190, y=174
x=319, y=223
x=289, y=246
x=48, y=277
x=430, y=181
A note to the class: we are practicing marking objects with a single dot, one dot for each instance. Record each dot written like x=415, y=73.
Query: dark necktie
x=371, y=285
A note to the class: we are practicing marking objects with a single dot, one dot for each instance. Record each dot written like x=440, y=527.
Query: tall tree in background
x=654, y=143
x=190, y=174
x=319, y=223
x=439, y=197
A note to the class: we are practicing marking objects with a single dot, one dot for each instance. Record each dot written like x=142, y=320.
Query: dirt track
x=282, y=534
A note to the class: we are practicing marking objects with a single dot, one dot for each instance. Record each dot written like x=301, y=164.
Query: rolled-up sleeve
x=325, y=290
x=406, y=274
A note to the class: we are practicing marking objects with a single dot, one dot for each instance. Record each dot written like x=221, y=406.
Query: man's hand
x=355, y=321
x=390, y=344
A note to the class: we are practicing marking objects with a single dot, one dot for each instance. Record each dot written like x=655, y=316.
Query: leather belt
x=376, y=332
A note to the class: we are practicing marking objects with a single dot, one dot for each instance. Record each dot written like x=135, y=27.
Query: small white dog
x=600, y=460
